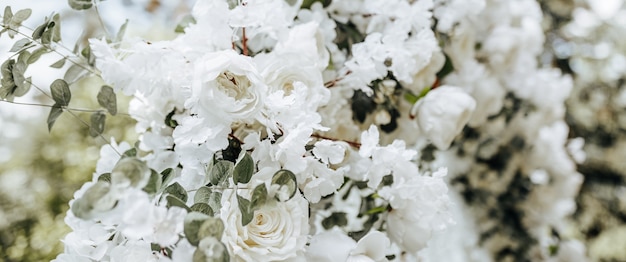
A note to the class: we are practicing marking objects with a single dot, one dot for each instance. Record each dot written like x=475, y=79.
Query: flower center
x=233, y=85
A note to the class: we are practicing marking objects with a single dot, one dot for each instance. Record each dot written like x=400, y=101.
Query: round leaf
x=130, y=171
x=287, y=182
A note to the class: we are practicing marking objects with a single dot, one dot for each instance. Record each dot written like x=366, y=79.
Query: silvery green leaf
x=220, y=171
x=55, y=112
x=107, y=99
x=8, y=15
x=38, y=32
x=97, y=198
x=19, y=44
x=243, y=169
x=287, y=182
x=154, y=184
x=23, y=88
x=184, y=23
x=215, y=200
x=36, y=55
x=23, y=56
x=167, y=176
x=97, y=124
x=246, y=211
x=176, y=190
x=212, y=227
x=106, y=177
x=121, y=32
x=60, y=92
x=202, y=195
x=130, y=172
x=210, y=249
x=73, y=73
x=56, y=30
x=21, y=15
x=203, y=208
x=259, y=197
x=130, y=152
x=80, y=4
x=58, y=64
x=173, y=201
x=193, y=221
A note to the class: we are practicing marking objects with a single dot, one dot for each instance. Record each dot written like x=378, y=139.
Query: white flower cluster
x=277, y=130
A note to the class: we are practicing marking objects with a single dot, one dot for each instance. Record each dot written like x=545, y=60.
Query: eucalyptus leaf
x=23, y=88
x=21, y=15
x=130, y=172
x=244, y=169
x=130, y=152
x=38, y=32
x=60, y=92
x=97, y=124
x=19, y=44
x=287, y=182
x=193, y=221
x=36, y=55
x=73, y=73
x=246, y=211
x=215, y=200
x=212, y=227
x=106, y=177
x=55, y=112
x=154, y=183
x=210, y=249
x=80, y=4
x=203, y=208
x=56, y=30
x=176, y=190
x=220, y=171
x=121, y=32
x=173, y=201
x=8, y=15
x=59, y=63
x=107, y=99
x=202, y=195
x=259, y=196
x=23, y=56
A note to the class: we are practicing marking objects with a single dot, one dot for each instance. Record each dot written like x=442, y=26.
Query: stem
x=352, y=144
x=100, y=135
x=244, y=42
x=54, y=50
x=104, y=28
x=332, y=83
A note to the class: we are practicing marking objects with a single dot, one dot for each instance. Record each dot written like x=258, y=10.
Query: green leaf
x=246, y=212
x=107, y=99
x=259, y=197
x=58, y=64
x=24, y=56
x=173, y=201
x=220, y=171
x=8, y=15
x=335, y=219
x=55, y=112
x=212, y=227
x=60, y=92
x=19, y=44
x=176, y=190
x=21, y=16
x=184, y=23
x=121, y=32
x=130, y=172
x=38, y=32
x=215, y=200
x=154, y=183
x=23, y=88
x=210, y=249
x=287, y=182
x=193, y=221
x=203, y=208
x=167, y=176
x=130, y=152
x=46, y=36
x=244, y=169
x=96, y=198
x=80, y=4
x=73, y=73
x=202, y=195
x=308, y=3
x=36, y=55
x=97, y=124
x=447, y=68
x=106, y=177
x=56, y=30
x=21, y=85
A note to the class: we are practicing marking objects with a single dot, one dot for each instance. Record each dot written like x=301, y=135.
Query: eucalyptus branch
x=104, y=28
x=351, y=143
x=54, y=50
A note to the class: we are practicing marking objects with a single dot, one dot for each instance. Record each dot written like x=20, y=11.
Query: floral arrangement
x=322, y=131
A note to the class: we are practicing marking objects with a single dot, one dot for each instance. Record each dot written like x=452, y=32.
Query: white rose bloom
x=227, y=86
x=277, y=232
x=443, y=113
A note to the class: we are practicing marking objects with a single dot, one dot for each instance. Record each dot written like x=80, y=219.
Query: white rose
x=278, y=230
x=228, y=86
x=443, y=113
x=335, y=246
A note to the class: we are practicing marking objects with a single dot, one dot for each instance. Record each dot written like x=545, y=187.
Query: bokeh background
x=40, y=170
